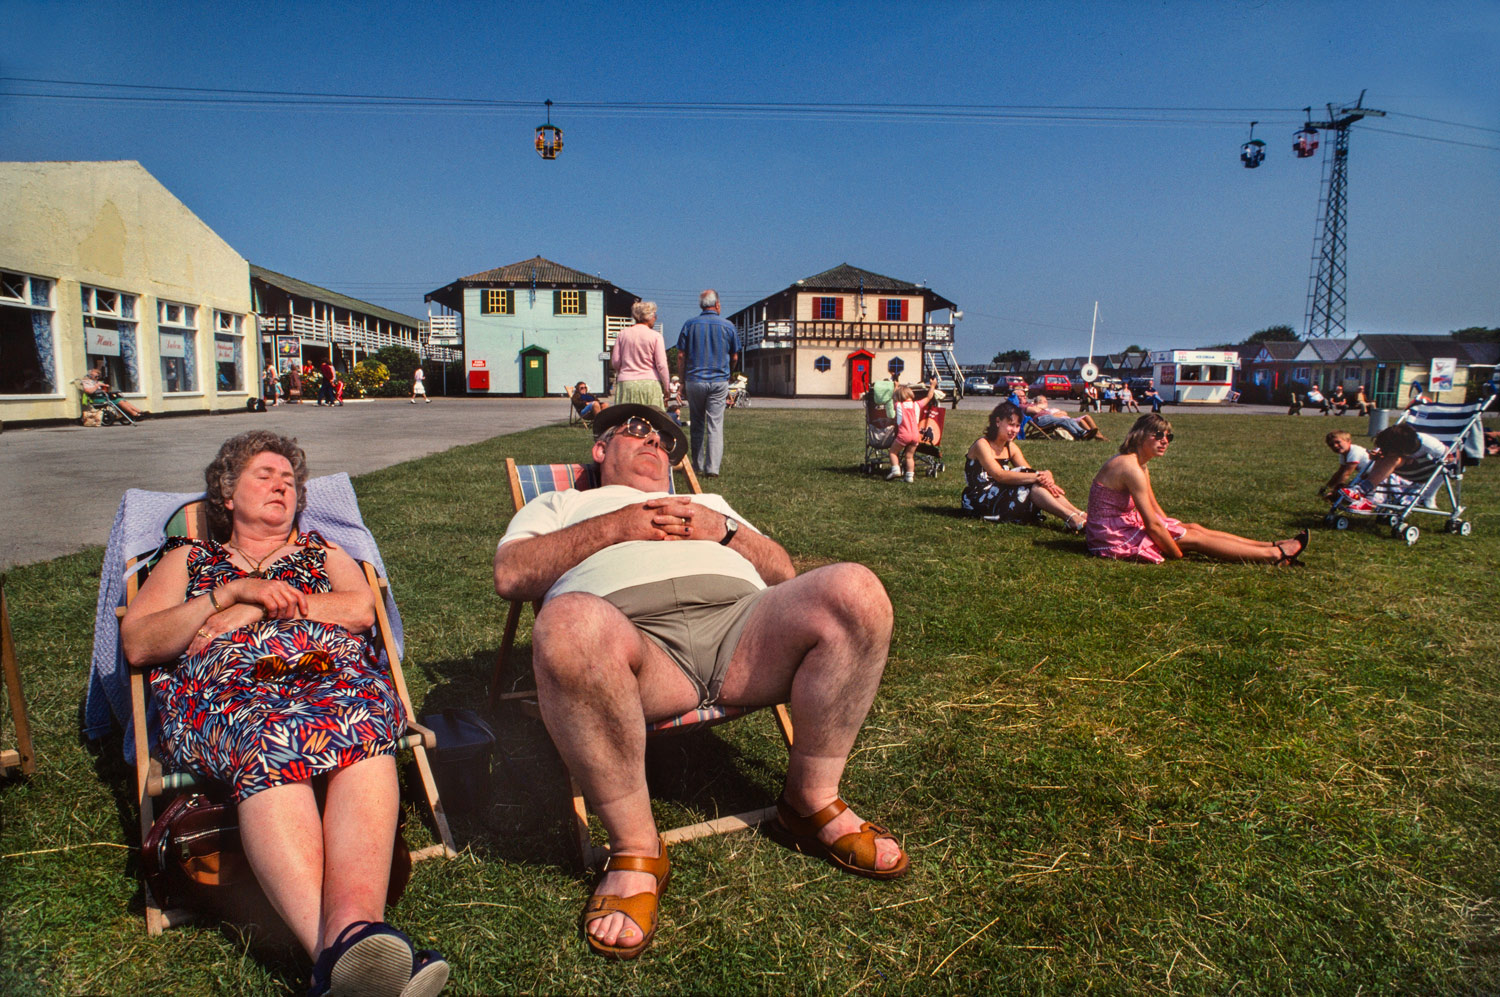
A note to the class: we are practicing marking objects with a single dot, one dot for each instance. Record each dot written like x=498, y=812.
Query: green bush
x=400, y=361
x=396, y=387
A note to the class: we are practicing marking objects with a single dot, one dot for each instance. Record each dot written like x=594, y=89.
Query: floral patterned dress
x=277, y=701
x=995, y=502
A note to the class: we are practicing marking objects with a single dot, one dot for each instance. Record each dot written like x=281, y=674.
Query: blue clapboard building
x=534, y=327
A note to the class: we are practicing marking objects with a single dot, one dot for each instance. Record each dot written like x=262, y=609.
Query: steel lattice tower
x=1327, y=284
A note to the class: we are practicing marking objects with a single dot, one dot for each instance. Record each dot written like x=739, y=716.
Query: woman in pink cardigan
x=640, y=360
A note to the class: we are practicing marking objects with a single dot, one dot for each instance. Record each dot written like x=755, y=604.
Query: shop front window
x=229, y=350
x=177, y=337
x=109, y=329
x=28, y=364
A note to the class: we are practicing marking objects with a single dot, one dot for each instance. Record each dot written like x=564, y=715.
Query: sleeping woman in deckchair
x=262, y=684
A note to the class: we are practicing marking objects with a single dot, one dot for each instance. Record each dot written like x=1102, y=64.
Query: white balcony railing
x=311, y=330
x=784, y=332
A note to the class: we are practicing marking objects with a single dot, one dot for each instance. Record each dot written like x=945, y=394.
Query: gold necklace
x=256, y=572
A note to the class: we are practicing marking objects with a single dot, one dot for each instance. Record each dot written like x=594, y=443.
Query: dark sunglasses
x=1161, y=435
x=642, y=430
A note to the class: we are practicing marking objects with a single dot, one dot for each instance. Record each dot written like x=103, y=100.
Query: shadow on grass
x=524, y=813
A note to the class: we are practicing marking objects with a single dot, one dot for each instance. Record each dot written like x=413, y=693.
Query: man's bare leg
x=820, y=641
x=598, y=679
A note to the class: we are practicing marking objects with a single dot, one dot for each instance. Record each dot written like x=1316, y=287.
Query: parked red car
x=1053, y=386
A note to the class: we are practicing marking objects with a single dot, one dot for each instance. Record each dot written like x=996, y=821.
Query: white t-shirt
x=1358, y=456
x=635, y=562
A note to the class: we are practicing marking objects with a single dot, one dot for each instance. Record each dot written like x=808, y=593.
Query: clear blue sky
x=1023, y=223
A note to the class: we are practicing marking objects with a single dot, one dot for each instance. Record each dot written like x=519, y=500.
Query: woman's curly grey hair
x=221, y=476
x=643, y=311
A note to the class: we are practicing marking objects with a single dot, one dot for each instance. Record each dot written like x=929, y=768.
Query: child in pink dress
x=1125, y=522
x=909, y=414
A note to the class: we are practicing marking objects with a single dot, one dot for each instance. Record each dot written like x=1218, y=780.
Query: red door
x=859, y=373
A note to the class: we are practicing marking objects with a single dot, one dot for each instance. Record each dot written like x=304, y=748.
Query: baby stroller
x=1422, y=486
x=739, y=393
x=880, y=433
x=99, y=405
x=929, y=450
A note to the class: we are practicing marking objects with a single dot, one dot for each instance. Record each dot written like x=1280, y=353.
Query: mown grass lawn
x=1191, y=778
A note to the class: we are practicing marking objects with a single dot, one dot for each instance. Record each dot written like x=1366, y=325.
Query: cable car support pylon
x=1327, y=283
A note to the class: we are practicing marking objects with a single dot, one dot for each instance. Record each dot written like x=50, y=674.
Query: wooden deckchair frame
x=22, y=756
x=152, y=781
x=586, y=852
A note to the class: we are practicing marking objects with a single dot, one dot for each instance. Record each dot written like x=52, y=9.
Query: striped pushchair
x=1454, y=440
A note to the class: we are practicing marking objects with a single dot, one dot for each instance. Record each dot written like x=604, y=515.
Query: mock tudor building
x=534, y=327
x=832, y=334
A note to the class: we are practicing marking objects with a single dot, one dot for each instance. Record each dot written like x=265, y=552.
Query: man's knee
x=575, y=633
x=852, y=598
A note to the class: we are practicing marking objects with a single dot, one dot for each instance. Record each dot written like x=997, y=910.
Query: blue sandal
x=367, y=959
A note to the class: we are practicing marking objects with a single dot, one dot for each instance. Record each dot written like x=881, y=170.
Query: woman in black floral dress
x=1001, y=488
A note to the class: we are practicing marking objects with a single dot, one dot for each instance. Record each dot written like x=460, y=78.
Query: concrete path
x=60, y=486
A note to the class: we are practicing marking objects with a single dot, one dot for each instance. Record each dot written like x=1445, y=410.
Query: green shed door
x=534, y=372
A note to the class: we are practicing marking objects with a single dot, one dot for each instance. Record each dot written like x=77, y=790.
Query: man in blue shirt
x=707, y=350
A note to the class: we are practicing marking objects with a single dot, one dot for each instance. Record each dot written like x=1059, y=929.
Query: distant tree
x=1012, y=356
x=1274, y=334
x=1135, y=348
x=1477, y=334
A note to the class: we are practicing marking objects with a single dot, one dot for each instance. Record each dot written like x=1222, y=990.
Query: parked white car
x=977, y=385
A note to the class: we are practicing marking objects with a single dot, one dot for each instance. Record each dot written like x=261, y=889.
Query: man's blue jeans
x=706, y=404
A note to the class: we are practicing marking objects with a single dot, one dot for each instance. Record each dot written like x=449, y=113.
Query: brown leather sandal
x=853, y=852
x=639, y=907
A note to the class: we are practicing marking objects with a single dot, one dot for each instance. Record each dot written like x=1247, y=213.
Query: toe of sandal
x=642, y=908
x=854, y=852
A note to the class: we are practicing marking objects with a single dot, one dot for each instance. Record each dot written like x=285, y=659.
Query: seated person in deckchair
x=1082, y=428
x=95, y=386
x=656, y=604
x=1353, y=461
x=262, y=684
x=1397, y=448
x=587, y=405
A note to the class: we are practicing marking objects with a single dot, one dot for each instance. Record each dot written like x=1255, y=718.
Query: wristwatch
x=731, y=527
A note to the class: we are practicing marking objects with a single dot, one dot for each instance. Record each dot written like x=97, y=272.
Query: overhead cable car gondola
x=1305, y=142
x=548, y=137
x=1253, y=151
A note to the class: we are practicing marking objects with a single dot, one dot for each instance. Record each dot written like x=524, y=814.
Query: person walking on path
x=325, y=389
x=294, y=385
x=419, y=386
x=707, y=350
x=639, y=358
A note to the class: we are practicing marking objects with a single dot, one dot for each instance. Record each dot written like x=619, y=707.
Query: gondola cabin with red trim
x=549, y=137
x=1305, y=142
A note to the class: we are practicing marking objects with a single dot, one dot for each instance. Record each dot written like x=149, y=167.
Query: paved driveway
x=60, y=486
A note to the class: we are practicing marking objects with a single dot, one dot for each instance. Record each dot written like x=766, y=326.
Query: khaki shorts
x=697, y=620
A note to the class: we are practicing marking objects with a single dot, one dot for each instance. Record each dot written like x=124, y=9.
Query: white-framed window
x=177, y=343
x=229, y=350
x=109, y=331
x=1302, y=374
x=28, y=350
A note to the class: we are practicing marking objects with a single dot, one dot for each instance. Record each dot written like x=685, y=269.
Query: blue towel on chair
x=139, y=530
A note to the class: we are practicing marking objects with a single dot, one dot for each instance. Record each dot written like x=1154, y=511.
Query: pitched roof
x=846, y=278
x=303, y=289
x=1423, y=349
x=540, y=269
x=1276, y=349
x=1328, y=350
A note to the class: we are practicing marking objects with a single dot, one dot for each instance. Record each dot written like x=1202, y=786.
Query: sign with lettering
x=103, y=342
x=224, y=350
x=1440, y=377
x=479, y=364
x=173, y=344
x=289, y=346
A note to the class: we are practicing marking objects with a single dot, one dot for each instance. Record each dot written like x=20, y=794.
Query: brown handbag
x=193, y=856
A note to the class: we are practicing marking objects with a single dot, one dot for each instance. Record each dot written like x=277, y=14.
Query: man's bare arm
x=526, y=569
